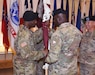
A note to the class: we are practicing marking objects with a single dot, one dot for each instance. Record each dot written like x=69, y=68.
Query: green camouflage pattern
x=87, y=54
x=25, y=60
x=40, y=46
x=63, y=50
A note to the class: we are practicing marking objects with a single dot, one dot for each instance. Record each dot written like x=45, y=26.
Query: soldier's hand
x=34, y=29
x=46, y=51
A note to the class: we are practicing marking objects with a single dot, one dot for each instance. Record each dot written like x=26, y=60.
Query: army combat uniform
x=63, y=50
x=25, y=61
x=39, y=46
x=87, y=54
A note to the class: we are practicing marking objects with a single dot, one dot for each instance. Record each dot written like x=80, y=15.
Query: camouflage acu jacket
x=26, y=53
x=87, y=49
x=63, y=50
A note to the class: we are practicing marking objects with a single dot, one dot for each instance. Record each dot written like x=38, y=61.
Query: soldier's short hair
x=57, y=11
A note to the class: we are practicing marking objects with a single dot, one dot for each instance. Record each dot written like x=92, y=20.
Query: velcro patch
x=23, y=44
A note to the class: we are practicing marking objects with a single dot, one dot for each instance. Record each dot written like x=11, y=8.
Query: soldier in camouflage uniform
x=63, y=46
x=25, y=61
x=87, y=49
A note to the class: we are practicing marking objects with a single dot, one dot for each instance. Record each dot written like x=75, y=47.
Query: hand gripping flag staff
x=46, y=68
x=46, y=17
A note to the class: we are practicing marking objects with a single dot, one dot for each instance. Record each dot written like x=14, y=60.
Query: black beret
x=91, y=18
x=29, y=16
x=57, y=11
x=86, y=19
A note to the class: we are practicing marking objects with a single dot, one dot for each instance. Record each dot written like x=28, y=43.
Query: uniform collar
x=24, y=27
x=63, y=25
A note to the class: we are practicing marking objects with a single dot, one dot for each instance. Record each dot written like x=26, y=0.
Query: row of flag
x=10, y=22
x=13, y=11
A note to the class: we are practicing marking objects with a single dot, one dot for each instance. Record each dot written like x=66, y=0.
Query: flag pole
x=93, y=7
x=58, y=3
x=35, y=3
x=83, y=8
x=46, y=68
x=76, y=10
x=2, y=48
x=87, y=8
x=64, y=4
x=70, y=10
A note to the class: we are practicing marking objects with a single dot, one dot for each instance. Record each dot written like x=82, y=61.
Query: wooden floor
x=6, y=64
x=8, y=71
x=6, y=67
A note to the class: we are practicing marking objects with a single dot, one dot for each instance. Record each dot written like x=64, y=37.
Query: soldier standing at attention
x=87, y=48
x=25, y=61
x=64, y=43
